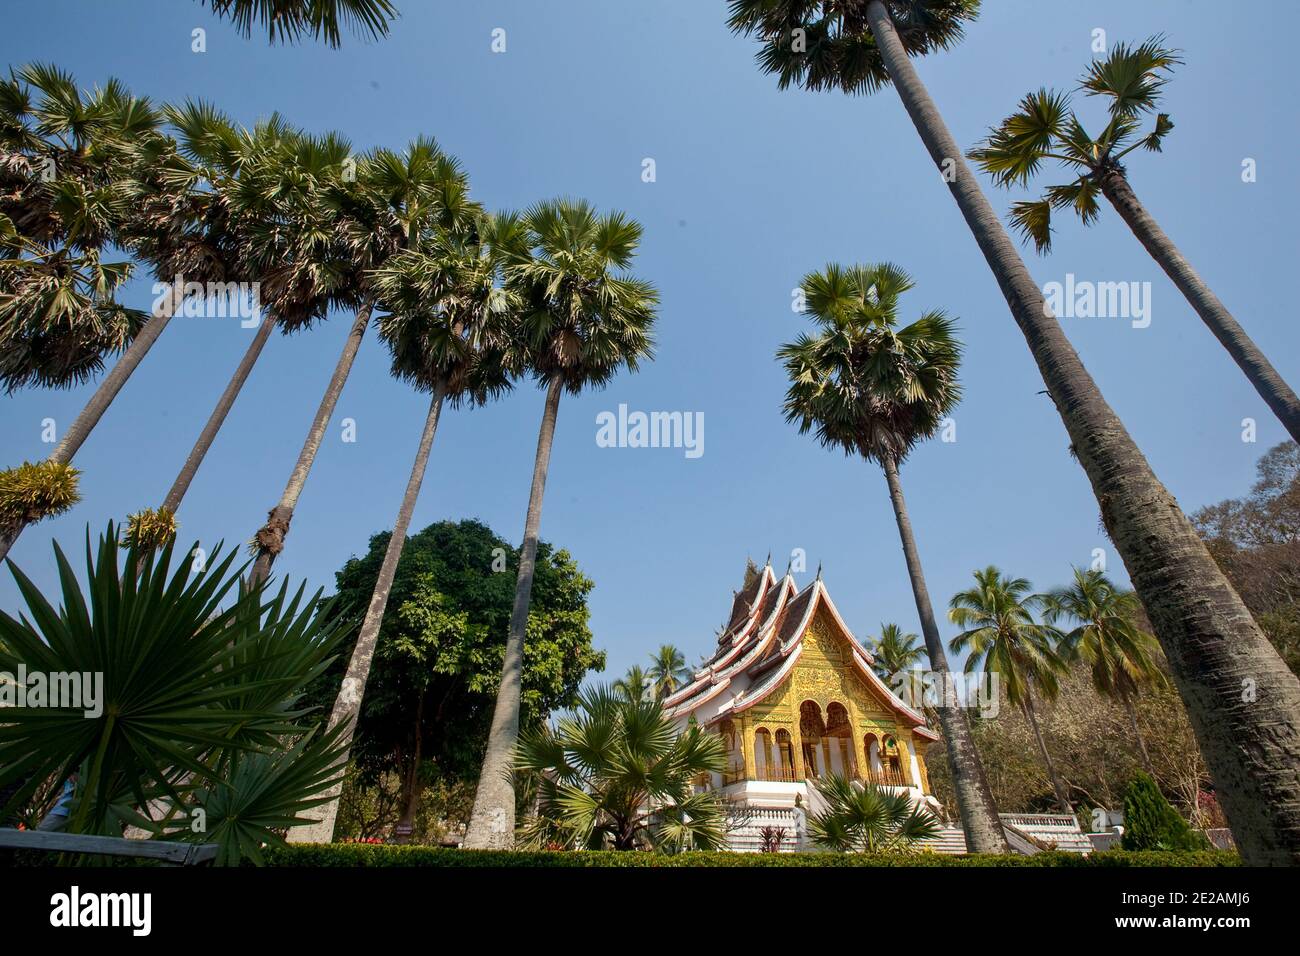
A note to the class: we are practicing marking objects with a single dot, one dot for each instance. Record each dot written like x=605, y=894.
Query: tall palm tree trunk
x=103, y=396
x=1277, y=394
x=1243, y=702
x=1137, y=735
x=347, y=706
x=979, y=814
x=492, y=822
x=1058, y=786
x=217, y=418
x=270, y=537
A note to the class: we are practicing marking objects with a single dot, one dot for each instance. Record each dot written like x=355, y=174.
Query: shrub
x=353, y=854
x=1150, y=823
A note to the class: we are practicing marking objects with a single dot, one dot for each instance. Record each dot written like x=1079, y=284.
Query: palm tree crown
x=863, y=384
x=1044, y=127
x=668, y=670
x=584, y=318
x=1119, y=654
x=290, y=20
x=895, y=652
x=828, y=44
x=999, y=630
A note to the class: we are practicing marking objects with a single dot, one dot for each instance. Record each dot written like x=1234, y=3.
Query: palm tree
x=617, y=775
x=446, y=329
x=58, y=315
x=290, y=20
x=584, y=318
x=999, y=631
x=875, y=390
x=868, y=819
x=397, y=198
x=253, y=193
x=635, y=685
x=1120, y=655
x=668, y=670
x=1213, y=645
x=895, y=652
x=1044, y=127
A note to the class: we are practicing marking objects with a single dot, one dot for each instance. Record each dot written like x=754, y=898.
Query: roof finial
x=788, y=565
x=819, y=570
x=769, y=560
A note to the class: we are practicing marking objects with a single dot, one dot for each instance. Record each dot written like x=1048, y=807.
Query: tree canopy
x=442, y=640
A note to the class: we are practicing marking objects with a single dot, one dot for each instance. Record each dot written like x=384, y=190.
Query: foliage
x=149, y=529
x=1150, y=823
x=895, y=652
x=288, y=21
x=1001, y=636
x=868, y=819
x=33, y=491
x=616, y=774
x=1046, y=128
x=71, y=181
x=349, y=855
x=1256, y=540
x=863, y=384
x=668, y=670
x=634, y=685
x=838, y=50
x=583, y=316
x=443, y=637
x=1091, y=737
x=1121, y=656
x=200, y=707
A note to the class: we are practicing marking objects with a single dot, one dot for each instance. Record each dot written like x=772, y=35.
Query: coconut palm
x=668, y=670
x=872, y=389
x=895, y=652
x=868, y=819
x=615, y=774
x=290, y=20
x=1120, y=655
x=83, y=160
x=1212, y=643
x=634, y=685
x=396, y=199
x=1003, y=639
x=261, y=196
x=1046, y=128
x=584, y=318
x=447, y=329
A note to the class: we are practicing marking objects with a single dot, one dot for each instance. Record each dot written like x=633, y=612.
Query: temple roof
x=760, y=646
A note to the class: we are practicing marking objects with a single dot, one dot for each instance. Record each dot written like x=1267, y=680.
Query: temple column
x=800, y=771
x=859, y=752
x=747, y=747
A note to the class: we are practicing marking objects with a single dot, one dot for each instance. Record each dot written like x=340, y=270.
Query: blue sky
x=754, y=188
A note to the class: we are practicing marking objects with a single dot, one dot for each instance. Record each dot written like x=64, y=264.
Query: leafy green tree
x=668, y=670
x=429, y=696
x=1119, y=654
x=873, y=389
x=1211, y=641
x=288, y=21
x=1256, y=540
x=584, y=319
x=1045, y=127
x=615, y=774
x=868, y=819
x=1150, y=823
x=1000, y=636
x=201, y=703
x=895, y=652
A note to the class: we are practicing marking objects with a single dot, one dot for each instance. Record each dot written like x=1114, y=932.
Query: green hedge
x=344, y=854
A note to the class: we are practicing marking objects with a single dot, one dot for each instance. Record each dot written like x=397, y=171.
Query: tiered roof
x=760, y=645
